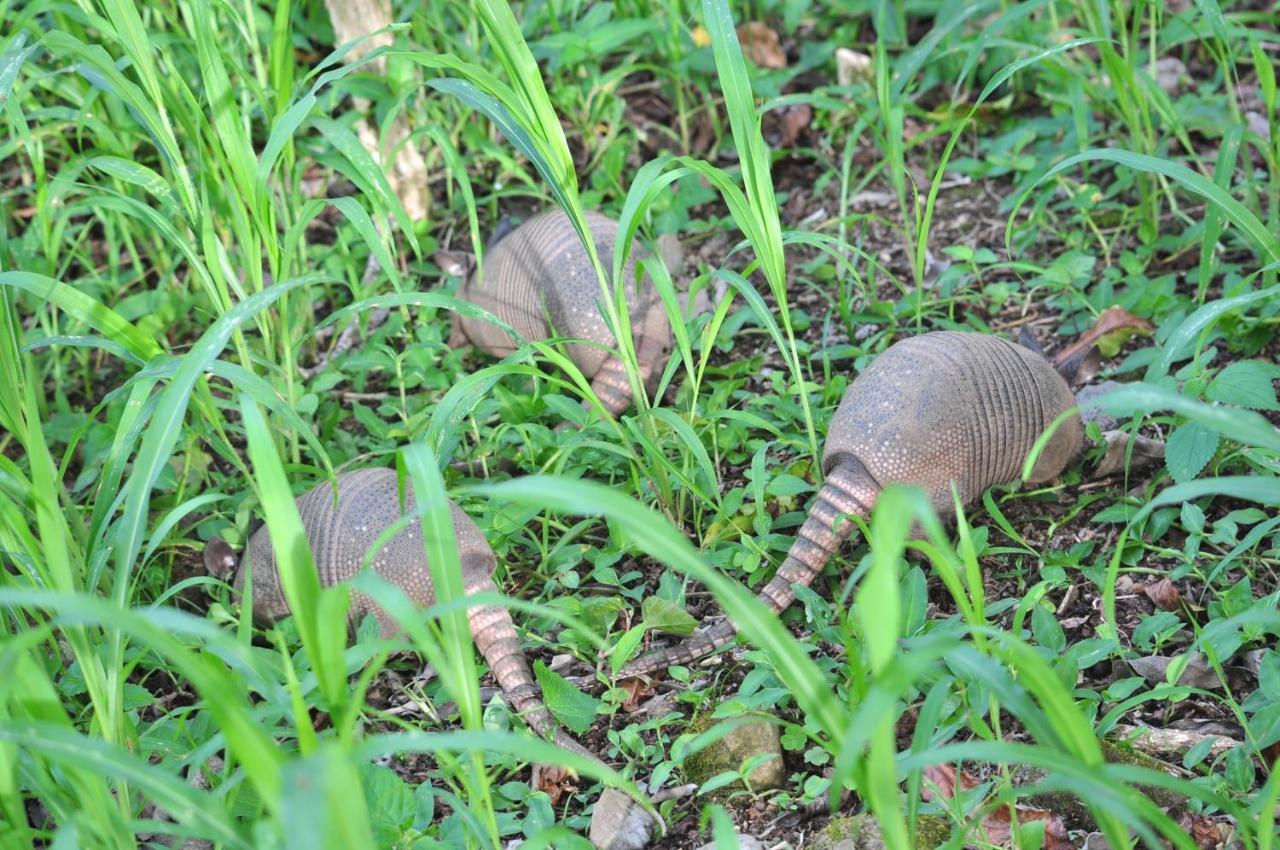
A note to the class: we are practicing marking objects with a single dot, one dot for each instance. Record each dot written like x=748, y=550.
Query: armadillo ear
x=1027, y=341
x=1080, y=367
x=219, y=558
x=455, y=263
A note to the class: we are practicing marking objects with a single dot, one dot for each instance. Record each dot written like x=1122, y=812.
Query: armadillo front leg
x=848, y=492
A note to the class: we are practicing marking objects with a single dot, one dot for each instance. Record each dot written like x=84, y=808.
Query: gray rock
x=746, y=742
x=618, y=823
x=745, y=842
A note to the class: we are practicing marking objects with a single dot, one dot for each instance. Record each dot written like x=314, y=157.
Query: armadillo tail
x=703, y=642
x=495, y=636
x=848, y=492
x=612, y=386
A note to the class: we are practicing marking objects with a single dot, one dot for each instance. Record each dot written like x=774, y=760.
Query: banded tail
x=495, y=636
x=612, y=386
x=847, y=492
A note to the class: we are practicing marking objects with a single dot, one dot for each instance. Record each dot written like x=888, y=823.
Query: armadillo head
x=268, y=597
x=653, y=339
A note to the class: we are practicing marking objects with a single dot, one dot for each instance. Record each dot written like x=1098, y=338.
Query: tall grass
x=167, y=150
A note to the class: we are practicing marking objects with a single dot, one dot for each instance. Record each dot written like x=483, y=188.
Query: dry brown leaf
x=998, y=826
x=761, y=45
x=1165, y=596
x=1113, y=327
x=554, y=780
x=636, y=694
x=998, y=822
x=1207, y=834
x=795, y=119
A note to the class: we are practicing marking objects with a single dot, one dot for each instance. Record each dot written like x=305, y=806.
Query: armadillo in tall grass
x=941, y=409
x=340, y=535
x=539, y=279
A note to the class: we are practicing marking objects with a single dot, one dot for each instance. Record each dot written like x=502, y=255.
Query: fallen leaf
x=795, y=119
x=1165, y=596
x=554, y=780
x=942, y=782
x=1109, y=332
x=999, y=826
x=1206, y=833
x=761, y=45
x=636, y=693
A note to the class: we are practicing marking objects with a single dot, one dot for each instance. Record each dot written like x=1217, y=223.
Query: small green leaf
x=572, y=708
x=1269, y=675
x=1192, y=518
x=1047, y=630
x=788, y=485
x=663, y=615
x=625, y=647
x=391, y=802
x=1190, y=447
x=1247, y=383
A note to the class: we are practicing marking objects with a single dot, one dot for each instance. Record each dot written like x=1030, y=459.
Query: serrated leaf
x=663, y=615
x=1269, y=675
x=391, y=801
x=1190, y=447
x=1247, y=383
x=572, y=708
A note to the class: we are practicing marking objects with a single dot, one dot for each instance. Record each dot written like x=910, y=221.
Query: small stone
x=862, y=832
x=746, y=742
x=745, y=842
x=619, y=823
x=1170, y=73
x=852, y=65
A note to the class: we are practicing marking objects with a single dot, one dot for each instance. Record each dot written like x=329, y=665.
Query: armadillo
x=941, y=409
x=539, y=279
x=368, y=504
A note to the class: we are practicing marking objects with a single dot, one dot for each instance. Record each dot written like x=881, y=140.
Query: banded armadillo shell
x=539, y=279
x=957, y=407
x=340, y=535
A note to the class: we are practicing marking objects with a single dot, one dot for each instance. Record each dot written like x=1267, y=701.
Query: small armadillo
x=340, y=535
x=934, y=410
x=539, y=279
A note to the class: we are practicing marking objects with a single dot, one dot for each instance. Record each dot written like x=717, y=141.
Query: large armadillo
x=539, y=279
x=935, y=410
x=340, y=535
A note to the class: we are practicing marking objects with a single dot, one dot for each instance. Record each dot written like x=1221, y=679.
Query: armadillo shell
x=957, y=407
x=340, y=535
x=539, y=280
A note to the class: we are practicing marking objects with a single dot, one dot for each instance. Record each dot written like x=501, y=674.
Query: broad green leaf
x=1247, y=383
x=1190, y=448
x=666, y=615
x=573, y=709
